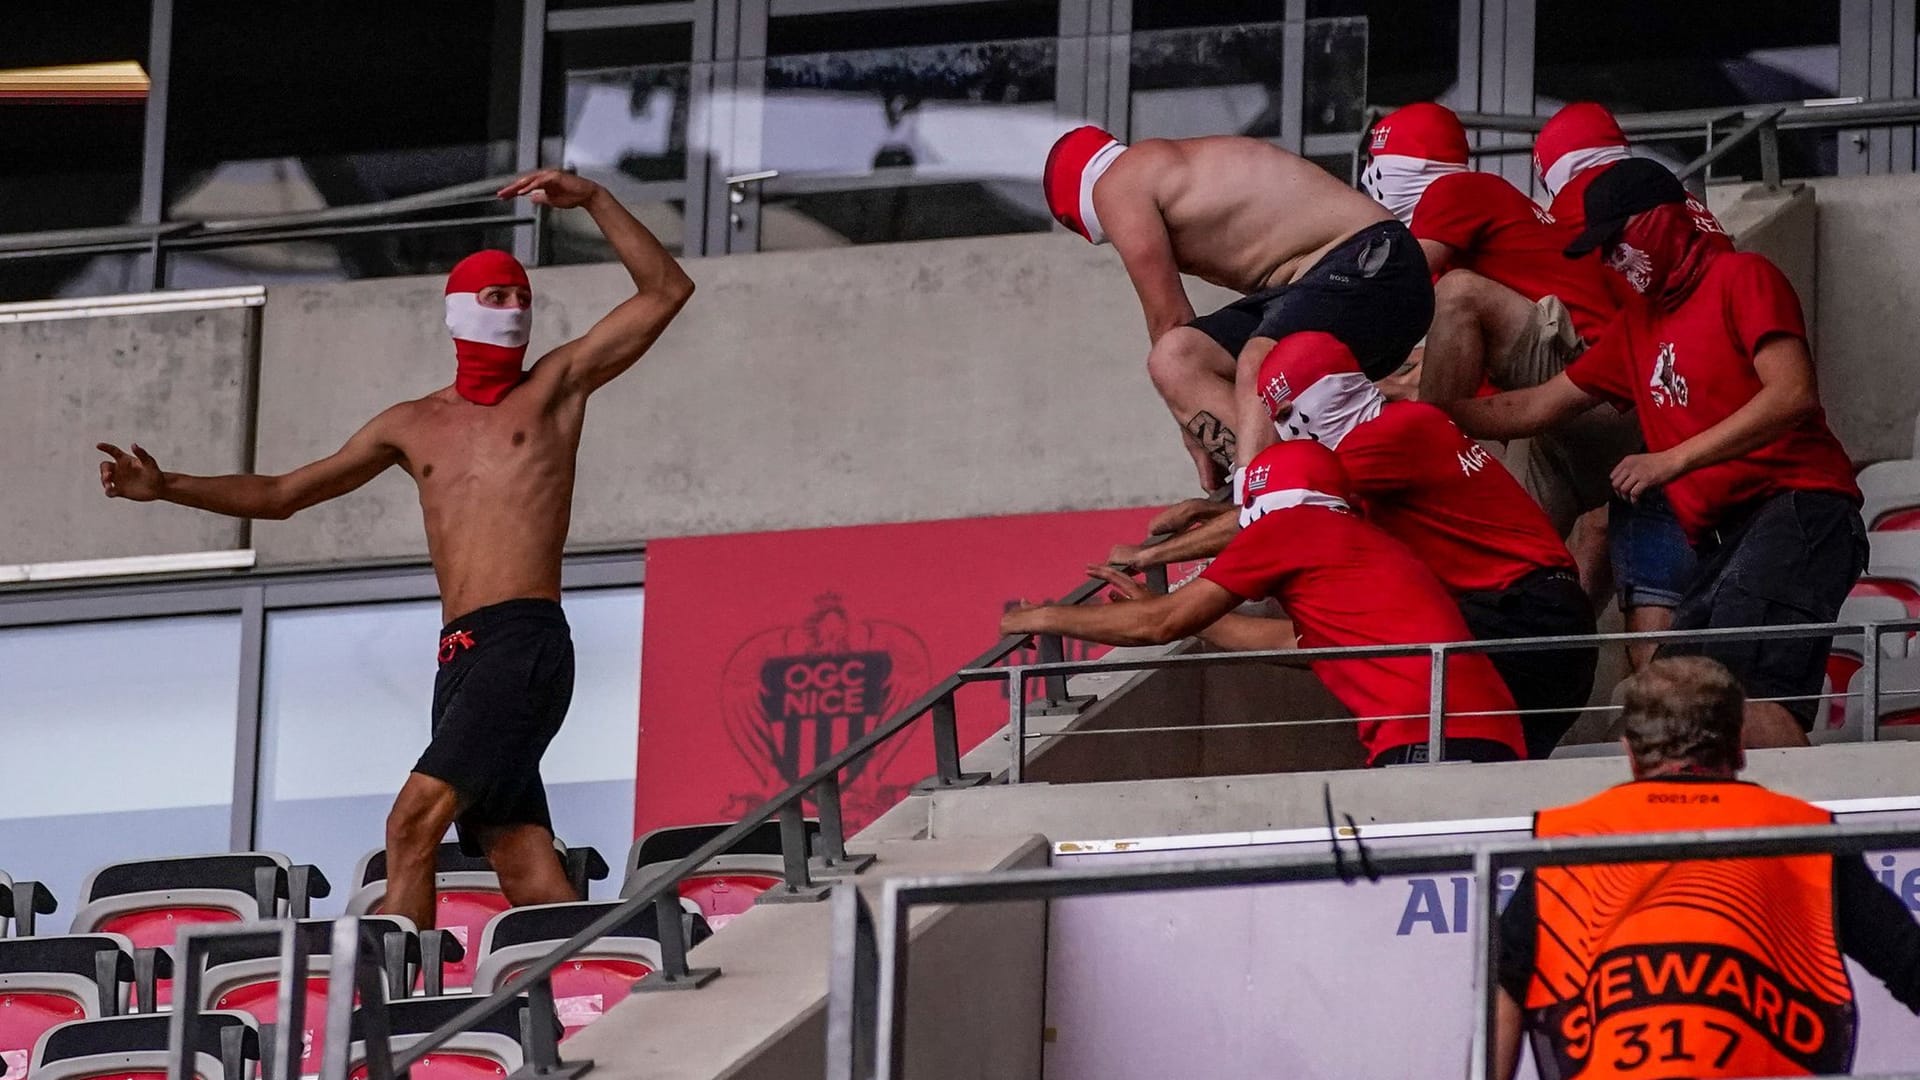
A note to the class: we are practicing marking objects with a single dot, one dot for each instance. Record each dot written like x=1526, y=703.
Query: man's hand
x=552, y=187
x=1125, y=556
x=1181, y=516
x=1639, y=473
x=133, y=476
x=1024, y=618
x=1123, y=586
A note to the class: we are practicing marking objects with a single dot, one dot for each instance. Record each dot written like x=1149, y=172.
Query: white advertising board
x=1344, y=982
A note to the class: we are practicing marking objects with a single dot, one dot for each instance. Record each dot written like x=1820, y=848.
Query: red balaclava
x=1577, y=138
x=1318, y=376
x=1077, y=162
x=489, y=343
x=1411, y=148
x=1290, y=474
x=1664, y=252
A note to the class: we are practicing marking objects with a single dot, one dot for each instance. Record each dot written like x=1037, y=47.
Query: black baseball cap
x=1624, y=189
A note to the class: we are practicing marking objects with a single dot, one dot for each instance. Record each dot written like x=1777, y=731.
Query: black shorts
x=1373, y=292
x=1480, y=750
x=1546, y=603
x=1791, y=559
x=506, y=678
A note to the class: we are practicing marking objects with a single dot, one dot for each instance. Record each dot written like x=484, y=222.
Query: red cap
x=485, y=268
x=1421, y=130
x=1299, y=465
x=1298, y=361
x=1069, y=192
x=1583, y=125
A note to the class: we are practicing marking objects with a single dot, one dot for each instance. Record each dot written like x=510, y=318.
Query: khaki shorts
x=1568, y=470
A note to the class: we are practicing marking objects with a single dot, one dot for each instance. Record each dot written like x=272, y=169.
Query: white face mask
x=1397, y=181
x=1331, y=408
x=470, y=320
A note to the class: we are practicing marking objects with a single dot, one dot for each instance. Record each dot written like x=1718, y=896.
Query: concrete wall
x=177, y=382
x=1869, y=309
x=893, y=383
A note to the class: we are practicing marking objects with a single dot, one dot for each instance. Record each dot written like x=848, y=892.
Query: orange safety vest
x=1721, y=968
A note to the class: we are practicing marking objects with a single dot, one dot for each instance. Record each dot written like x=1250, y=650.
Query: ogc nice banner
x=765, y=653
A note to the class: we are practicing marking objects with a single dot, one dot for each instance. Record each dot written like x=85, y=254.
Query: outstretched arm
x=661, y=287
x=1233, y=631
x=1154, y=621
x=1203, y=541
x=1517, y=414
x=138, y=477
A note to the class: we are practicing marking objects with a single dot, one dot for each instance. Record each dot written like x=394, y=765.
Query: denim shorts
x=1653, y=565
x=1792, y=559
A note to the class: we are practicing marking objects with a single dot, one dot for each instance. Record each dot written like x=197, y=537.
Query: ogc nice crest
x=795, y=695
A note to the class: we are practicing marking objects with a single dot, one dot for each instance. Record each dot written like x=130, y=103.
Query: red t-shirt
x=1440, y=493
x=1344, y=582
x=1501, y=234
x=1569, y=208
x=1688, y=369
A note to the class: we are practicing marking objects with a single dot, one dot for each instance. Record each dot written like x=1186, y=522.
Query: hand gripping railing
x=867, y=988
x=1017, y=675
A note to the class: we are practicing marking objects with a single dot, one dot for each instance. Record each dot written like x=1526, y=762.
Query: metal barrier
x=867, y=989
x=1721, y=130
x=1056, y=673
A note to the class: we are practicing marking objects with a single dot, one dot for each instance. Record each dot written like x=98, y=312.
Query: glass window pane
x=906, y=143
x=1412, y=50
x=119, y=742
x=346, y=708
x=371, y=254
x=1226, y=80
x=1644, y=56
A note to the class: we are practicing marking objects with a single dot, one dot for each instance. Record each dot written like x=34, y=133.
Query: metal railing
x=1721, y=130
x=387, y=217
x=867, y=987
x=1056, y=673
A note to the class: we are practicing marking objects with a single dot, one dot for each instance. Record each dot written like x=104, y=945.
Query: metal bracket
x=671, y=932
x=541, y=1041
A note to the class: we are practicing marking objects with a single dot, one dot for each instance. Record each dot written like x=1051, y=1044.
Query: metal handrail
x=1017, y=675
x=867, y=988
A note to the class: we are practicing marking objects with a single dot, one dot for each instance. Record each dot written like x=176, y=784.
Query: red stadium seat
x=727, y=884
x=491, y=1050
x=226, y=1047
x=467, y=895
x=1849, y=650
x=596, y=979
x=149, y=900
x=1891, y=490
x=47, y=981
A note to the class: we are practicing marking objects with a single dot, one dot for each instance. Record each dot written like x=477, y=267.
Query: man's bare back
x=1242, y=213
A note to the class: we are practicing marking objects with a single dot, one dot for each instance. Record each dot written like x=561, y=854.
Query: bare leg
x=1591, y=555
x=1769, y=724
x=1194, y=376
x=1255, y=431
x=1643, y=618
x=1476, y=323
x=419, y=819
x=529, y=868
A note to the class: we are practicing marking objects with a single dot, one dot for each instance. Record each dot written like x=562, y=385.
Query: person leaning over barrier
x=1702, y=968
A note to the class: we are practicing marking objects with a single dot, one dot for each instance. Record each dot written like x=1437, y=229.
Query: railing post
x=1157, y=579
x=890, y=995
x=1486, y=960
x=833, y=860
x=670, y=930
x=1017, y=722
x=1870, y=685
x=799, y=886
x=354, y=967
x=1769, y=136
x=541, y=1041
x=1053, y=650
x=946, y=750
x=850, y=987
x=1437, y=706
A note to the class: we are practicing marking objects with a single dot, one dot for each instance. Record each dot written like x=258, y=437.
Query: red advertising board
x=764, y=653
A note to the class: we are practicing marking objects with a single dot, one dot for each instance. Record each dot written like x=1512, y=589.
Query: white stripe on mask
x=1287, y=499
x=470, y=320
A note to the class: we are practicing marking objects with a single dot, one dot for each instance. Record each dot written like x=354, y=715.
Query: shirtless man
x=1306, y=252
x=493, y=456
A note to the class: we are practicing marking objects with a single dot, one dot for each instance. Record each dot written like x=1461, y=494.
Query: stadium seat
x=149, y=900
x=726, y=885
x=595, y=980
x=1899, y=703
x=21, y=902
x=1849, y=650
x=1892, y=496
x=226, y=1046
x=243, y=975
x=467, y=895
x=490, y=1050
x=46, y=981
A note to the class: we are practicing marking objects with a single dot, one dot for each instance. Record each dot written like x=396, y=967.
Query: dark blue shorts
x=1653, y=565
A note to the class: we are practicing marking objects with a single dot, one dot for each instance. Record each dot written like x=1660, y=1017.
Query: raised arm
x=136, y=476
x=1517, y=414
x=661, y=287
